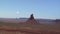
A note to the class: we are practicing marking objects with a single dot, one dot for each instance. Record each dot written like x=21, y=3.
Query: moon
x=17, y=12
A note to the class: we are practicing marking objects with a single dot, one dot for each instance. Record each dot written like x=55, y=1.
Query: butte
x=32, y=20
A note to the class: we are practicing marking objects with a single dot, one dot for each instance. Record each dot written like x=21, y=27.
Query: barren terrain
x=16, y=28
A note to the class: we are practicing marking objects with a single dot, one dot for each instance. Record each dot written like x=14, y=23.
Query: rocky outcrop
x=31, y=20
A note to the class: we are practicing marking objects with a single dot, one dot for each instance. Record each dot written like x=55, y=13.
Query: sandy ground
x=27, y=32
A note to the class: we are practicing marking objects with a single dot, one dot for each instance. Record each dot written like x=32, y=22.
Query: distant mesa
x=31, y=20
x=57, y=21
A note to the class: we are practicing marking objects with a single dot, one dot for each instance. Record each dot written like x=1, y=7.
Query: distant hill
x=15, y=20
x=57, y=21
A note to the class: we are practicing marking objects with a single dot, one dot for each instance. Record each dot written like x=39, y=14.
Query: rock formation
x=31, y=20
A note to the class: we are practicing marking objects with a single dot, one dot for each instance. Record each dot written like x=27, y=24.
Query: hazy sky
x=49, y=9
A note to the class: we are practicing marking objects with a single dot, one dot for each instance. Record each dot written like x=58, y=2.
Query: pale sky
x=48, y=9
